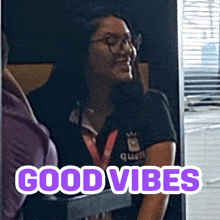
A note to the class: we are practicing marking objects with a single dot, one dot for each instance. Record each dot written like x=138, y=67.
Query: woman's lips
x=125, y=66
x=123, y=62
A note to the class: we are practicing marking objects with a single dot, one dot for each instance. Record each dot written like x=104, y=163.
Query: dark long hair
x=67, y=89
x=67, y=85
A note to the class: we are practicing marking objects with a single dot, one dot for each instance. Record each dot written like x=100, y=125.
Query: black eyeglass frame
x=135, y=41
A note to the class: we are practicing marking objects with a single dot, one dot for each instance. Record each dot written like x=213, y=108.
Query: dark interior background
x=39, y=30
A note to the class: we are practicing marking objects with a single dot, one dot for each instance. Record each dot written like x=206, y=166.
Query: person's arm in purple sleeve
x=23, y=143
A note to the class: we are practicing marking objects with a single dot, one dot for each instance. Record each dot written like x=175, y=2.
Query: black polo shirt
x=138, y=128
x=141, y=119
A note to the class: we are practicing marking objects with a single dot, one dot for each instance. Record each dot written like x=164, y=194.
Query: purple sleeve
x=51, y=154
x=51, y=158
x=23, y=143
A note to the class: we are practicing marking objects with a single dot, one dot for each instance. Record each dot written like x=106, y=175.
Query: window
x=200, y=52
x=199, y=66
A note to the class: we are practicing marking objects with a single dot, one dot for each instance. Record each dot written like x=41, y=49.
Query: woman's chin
x=123, y=73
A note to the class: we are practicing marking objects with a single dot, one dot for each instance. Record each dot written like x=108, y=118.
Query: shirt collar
x=74, y=118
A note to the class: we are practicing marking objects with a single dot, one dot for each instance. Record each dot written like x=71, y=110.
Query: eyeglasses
x=114, y=41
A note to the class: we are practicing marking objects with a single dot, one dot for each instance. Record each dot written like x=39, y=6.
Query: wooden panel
x=31, y=76
x=144, y=71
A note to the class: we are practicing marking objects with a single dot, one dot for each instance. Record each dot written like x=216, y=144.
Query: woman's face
x=111, y=52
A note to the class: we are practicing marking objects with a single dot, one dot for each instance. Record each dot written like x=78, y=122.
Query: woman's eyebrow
x=128, y=34
x=110, y=33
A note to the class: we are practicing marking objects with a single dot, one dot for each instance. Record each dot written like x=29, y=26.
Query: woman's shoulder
x=134, y=91
x=130, y=97
x=155, y=96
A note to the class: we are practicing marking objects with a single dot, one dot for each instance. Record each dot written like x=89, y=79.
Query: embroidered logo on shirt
x=134, y=153
x=138, y=157
x=132, y=140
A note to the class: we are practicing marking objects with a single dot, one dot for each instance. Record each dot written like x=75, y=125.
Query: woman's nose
x=126, y=47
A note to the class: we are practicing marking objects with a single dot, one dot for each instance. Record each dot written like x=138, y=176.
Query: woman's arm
x=154, y=206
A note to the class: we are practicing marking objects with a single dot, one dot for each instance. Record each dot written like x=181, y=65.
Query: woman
x=112, y=105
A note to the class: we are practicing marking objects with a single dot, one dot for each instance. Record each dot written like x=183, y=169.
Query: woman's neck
x=99, y=98
x=99, y=105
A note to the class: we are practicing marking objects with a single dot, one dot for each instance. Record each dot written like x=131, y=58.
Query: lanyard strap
x=103, y=163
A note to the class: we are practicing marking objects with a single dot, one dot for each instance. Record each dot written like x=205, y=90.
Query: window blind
x=200, y=51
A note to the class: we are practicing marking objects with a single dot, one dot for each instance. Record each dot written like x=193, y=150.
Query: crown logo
x=132, y=140
x=131, y=134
